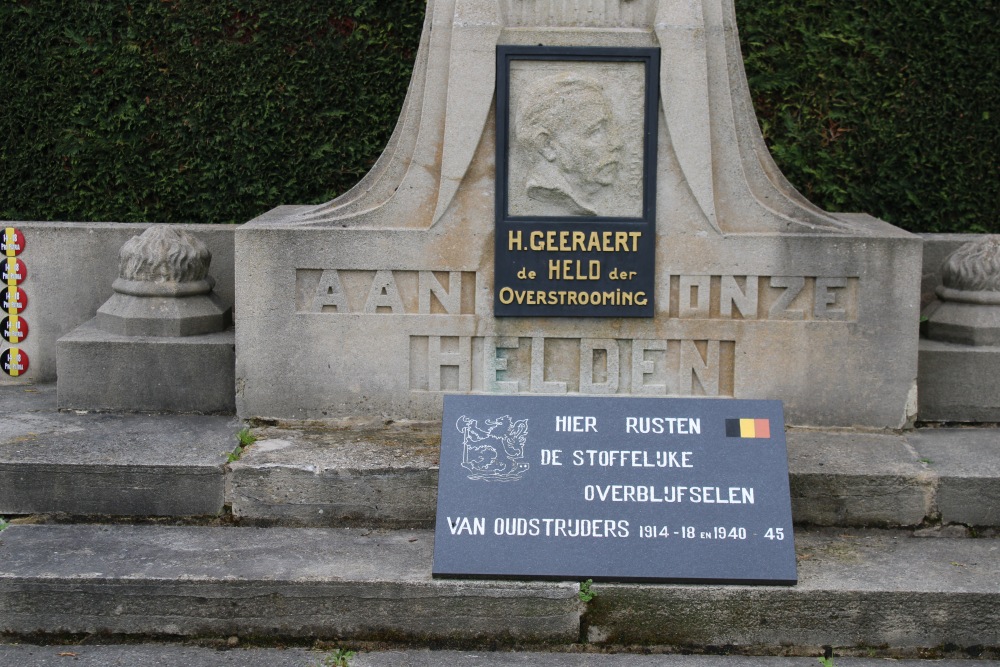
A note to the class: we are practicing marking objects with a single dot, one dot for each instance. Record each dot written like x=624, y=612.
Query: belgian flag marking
x=14, y=362
x=748, y=428
x=14, y=329
x=14, y=300
x=11, y=242
x=13, y=271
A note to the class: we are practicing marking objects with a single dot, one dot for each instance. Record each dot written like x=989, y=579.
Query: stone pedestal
x=958, y=383
x=161, y=343
x=104, y=371
x=960, y=357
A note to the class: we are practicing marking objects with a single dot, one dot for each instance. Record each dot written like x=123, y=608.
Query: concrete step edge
x=381, y=472
x=98, y=655
x=871, y=588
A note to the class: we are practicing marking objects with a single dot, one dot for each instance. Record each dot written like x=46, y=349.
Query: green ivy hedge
x=217, y=110
x=195, y=110
x=891, y=107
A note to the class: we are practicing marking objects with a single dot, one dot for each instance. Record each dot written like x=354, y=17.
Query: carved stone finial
x=163, y=287
x=164, y=261
x=970, y=294
x=975, y=267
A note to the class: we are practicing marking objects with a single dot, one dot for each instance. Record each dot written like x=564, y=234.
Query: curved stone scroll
x=444, y=127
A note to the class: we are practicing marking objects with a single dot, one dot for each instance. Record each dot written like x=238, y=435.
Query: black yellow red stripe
x=14, y=271
x=748, y=428
x=14, y=362
x=14, y=300
x=12, y=326
x=12, y=242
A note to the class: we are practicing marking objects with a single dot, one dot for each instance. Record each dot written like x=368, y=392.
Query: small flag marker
x=748, y=428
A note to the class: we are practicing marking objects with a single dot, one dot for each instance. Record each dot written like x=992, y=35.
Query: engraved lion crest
x=494, y=453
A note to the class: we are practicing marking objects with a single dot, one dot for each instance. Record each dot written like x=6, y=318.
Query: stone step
x=882, y=589
x=90, y=655
x=272, y=582
x=384, y=473
x=324, y=474
x=86, y=463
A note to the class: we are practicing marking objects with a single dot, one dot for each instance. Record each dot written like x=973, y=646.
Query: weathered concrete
x=958, y=383
x=487, y=659
x=935, y=248
x=103, y=464
x=879, y=589
x=163, y=288
x=99, y=370
x=859, y=589
x=172, y=655
x=154, y=655
x=968, y=311
x=364, y=471
x=966, y=463
x=271, y=582
x=388, y=290
x=959, y=353
x=72, y=266
x=127, y=315
x=368, y=472
x=857, y=479
x=349, y=470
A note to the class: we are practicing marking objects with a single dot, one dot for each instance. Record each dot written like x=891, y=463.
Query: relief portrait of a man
x=565, y=126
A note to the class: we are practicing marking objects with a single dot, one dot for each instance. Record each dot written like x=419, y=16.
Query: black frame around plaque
x=515, y=294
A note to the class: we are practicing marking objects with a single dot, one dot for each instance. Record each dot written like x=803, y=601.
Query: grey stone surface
x=484, y=659
x=974, y=266
x=107, y=464
x=399, y=364
x=557, y=170
x=935, y=248
x=164, y=254
x=958, y=383
x=862, y=588
x=129, y=315
x=163, y=288
x=858, y=589
x=325, y=473
x=29, y=398
x=170, y=655
x=99, y=370
x=262, y=582
x=72, y=266
x=388, y=290
x=969, y=308
x=967, y=464
x=350, y=470
x=965, y=324
x=959, y=360
x=153, y=655
x=857, y=479
x=367, y=472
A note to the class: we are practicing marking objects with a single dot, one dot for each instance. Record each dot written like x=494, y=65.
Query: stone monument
x=576, y=200
x=162, y=342
x=960, y=356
